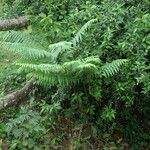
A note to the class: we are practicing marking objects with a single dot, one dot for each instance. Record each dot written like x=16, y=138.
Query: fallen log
x=16, y=23
x=18, y=96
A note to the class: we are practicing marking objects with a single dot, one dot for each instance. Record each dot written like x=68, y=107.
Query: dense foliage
x=76, y=50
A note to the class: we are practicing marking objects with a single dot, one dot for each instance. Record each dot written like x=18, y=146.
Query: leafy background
x=115, y=110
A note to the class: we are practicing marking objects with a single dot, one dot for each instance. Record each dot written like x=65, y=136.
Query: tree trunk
x=18, y=96
x=8, y=24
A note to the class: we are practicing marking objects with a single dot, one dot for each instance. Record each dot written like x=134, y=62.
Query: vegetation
x=90, y=60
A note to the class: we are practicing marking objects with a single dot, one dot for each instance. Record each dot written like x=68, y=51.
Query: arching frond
x=64, y=45
x=56, y=48
x=67, y=73
x=22, y=44
x=81, y=32
x=19, y=37
x=25, y=51
x=93, y=59
x=109, y=69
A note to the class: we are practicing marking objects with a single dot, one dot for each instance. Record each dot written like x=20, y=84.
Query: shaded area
x=17, y=96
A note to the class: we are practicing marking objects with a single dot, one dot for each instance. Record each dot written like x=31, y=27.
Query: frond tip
x=57, y=48
x=78, y=36
x=109, y=69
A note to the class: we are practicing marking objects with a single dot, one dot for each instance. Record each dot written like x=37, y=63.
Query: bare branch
x=19, y=22
x=17, y=96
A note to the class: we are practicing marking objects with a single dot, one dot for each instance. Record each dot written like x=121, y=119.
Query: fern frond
x=93, y=59
x=81, y=32
x=72, y=72
x=109, y=69
x=22, y=44
x=25, y=51
x=67, y=73
x=45, y=68
x=56, y=48
x=19, y=37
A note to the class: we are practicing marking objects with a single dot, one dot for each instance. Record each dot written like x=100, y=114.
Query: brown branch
x=19, y=22
x=17, y=96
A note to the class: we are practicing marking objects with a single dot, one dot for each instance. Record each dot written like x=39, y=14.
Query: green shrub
x=119, y=103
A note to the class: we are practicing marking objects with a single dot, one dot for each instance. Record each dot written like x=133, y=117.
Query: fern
x=81, y=32
x=109, y=69
x=57, y=48
x=38, y=62
x=24, y=51
x=22, y=44
x=74, y=71
x=27, y=46
x=19, y=37
x=66, y=73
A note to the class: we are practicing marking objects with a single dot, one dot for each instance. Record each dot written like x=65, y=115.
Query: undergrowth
x=91, y=61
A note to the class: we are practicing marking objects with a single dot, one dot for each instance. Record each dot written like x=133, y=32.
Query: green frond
x=22, y=44
x=93, y=59
x=73, y=71
x=12, y=36
x=45, y=68
x=57, y=48
x=25, y=51
x=19, y=37
x=109, y=69
x=25, y=45
x=81, y=32
x=66, y=73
